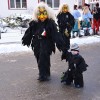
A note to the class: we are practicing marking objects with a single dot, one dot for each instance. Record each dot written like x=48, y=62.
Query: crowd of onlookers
x=86, y=19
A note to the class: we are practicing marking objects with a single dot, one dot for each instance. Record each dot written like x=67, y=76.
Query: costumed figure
x=76, y=28
x=65, y=22
x=76, y=67
x=43, y=37
x=86, y=23
x=96, y=19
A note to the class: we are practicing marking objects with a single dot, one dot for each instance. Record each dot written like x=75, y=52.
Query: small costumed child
x=76, y=67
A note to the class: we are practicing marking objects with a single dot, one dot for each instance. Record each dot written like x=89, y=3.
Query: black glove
x=63, y=56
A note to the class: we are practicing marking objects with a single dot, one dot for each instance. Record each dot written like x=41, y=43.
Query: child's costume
x=65, y=22
x=76, y=66
x=43, y=36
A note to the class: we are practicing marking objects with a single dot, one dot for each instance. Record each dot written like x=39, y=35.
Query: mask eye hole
x=45, y=13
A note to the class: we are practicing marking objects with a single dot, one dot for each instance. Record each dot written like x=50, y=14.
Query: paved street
x=18, y=77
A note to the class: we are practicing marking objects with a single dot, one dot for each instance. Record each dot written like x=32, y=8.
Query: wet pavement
x=19, y=73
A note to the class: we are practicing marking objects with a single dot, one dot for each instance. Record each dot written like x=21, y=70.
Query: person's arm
x=78, y=14
x=81, y=64
x=26, y=39
x=71, y=20
x=58, y=19
x=90, y=15
x=56, y=36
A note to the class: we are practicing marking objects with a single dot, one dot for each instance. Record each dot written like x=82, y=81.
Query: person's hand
x=63, y=56
x=66, y=32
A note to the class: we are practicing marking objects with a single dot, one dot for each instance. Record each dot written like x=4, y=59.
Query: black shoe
x=80, y=35
x=73, y=36
x=68, y=83
x=44, y=78
x=87, y=34
x=78, y=86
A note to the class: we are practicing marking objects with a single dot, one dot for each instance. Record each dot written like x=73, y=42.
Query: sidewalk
x=12, y=36
x=11, y=41
x=15, y=36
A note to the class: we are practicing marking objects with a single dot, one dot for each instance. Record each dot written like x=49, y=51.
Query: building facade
x=11, y=7
x=93, y=2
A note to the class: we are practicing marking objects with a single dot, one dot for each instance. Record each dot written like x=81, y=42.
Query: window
x=12, y=4
x=56, y=3
x=52, y=3
x=24, y=4
x=17, y=4
x=43, y=0
x=49, y=2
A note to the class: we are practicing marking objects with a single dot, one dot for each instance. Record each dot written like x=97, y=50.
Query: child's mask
x=42, y=14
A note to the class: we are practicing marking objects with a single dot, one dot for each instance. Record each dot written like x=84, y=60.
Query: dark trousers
x=78, y=79
x=74, y=77
x=67, y=41
x=43, y=58
x=65, y=38
x=44, y=64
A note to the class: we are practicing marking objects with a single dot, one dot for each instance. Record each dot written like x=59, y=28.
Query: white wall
x=4, y=11
x=3, y=7
x=31, y=5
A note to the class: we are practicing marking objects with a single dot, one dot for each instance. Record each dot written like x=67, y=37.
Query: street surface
x=19, y=73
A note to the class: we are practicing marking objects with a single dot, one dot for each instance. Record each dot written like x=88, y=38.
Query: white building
x=93, y=2
x=11, y=7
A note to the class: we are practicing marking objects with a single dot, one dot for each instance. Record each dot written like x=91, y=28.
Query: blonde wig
x=85, y=9
x=49, y=10
x=61, y=6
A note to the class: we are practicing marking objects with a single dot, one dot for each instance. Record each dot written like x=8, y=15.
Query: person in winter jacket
x=76, y=27
x=76, y=67
x=86, y=23
x=96, y=19
x=43, y=37
x=65, y=22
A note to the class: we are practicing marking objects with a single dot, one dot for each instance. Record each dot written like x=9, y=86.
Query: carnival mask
x=42, y=14
x=64, y=9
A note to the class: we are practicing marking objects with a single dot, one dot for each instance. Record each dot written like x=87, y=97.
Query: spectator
x=96, y=20
x=86, y=23
x=76, y=28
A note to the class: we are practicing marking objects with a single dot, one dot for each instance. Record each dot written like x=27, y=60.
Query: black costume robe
x=43, y=46
x=65, y=21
